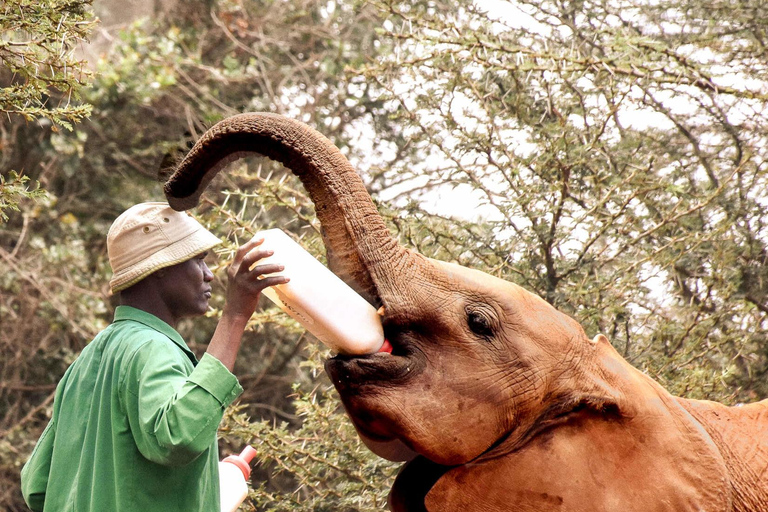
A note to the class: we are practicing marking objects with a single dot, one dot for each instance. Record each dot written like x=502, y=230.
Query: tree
x=618, y=150
x=42, y=74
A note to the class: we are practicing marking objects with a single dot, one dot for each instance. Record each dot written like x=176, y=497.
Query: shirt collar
x=153, y=322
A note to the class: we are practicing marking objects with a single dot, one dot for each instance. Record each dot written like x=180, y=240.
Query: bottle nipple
x=243, y=461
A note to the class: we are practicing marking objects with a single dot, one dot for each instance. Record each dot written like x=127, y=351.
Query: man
x=135, y=416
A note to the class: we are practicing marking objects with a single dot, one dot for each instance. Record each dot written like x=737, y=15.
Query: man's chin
x=200, y=310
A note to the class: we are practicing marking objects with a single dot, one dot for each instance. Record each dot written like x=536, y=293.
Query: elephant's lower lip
x=364, y=370
x=374, y=432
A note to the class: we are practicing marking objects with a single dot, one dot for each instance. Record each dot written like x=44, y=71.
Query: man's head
x=153, y=240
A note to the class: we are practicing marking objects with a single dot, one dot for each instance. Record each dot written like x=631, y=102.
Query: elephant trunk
x=361, y=250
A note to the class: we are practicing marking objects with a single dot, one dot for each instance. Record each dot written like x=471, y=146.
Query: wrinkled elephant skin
x=499, y=401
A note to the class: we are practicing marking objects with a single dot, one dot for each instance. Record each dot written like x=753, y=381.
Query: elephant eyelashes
x=479, y=323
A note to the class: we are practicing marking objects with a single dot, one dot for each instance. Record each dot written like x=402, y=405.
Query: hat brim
x=193, y=244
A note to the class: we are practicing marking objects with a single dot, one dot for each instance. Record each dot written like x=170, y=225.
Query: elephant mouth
x=363, y=383
x=355, y=373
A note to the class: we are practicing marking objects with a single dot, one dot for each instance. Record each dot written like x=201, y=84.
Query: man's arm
x=244, y=287
x=174, y=414
x=35, y=473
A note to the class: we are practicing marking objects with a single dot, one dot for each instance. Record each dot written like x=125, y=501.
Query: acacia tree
x=618, y=169
x=40, y=76
x=37, y=50
x=618, y=150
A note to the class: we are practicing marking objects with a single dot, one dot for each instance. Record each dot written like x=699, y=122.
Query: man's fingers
x=270, y=268
x=254, y=256
x=272, y=281
x=246, y=248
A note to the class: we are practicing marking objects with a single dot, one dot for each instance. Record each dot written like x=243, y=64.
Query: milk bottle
x=234, y=472
x=321, y=302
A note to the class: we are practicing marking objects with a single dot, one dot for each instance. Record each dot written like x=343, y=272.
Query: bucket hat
x=150, y=236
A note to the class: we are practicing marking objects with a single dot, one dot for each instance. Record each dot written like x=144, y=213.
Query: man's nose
x=207, y=274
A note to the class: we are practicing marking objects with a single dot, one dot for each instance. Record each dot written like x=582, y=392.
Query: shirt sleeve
x=35, y=473
x=174, y=414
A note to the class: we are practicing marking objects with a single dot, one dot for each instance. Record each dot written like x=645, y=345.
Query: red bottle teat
x=243, y=461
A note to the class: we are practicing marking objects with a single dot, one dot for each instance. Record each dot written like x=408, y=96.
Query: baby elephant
x=498, y=401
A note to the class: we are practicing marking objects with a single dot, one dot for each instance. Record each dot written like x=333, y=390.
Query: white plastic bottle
x=321, y=302
x=234, y=472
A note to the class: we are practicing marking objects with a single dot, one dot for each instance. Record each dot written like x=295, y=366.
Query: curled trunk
x=360, y=248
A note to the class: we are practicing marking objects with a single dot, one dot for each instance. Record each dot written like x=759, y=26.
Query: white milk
x=321, y=302
x=234, y=472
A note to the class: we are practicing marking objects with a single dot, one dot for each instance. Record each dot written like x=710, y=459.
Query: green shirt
x=134, y=425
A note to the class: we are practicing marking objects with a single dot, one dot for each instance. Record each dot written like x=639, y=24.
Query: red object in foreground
x=386, y=347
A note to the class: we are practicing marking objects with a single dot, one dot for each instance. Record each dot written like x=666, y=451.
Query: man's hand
x=245, y=279
x=245, y=282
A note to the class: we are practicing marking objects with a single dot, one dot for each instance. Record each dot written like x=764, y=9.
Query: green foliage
x=619, y=166
x=160, y=85
x=309, y=455
x=13, y=190
x=38, y=51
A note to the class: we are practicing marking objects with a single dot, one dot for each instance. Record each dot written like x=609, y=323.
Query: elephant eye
x=479, y=323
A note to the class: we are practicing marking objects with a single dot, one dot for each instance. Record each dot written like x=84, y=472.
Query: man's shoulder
x=131, y=332
x=125, y=338
x=136, y=337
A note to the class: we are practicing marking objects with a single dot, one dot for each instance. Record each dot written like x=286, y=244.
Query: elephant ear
x=413, y=483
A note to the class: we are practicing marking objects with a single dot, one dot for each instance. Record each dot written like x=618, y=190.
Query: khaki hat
x=150, y=236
